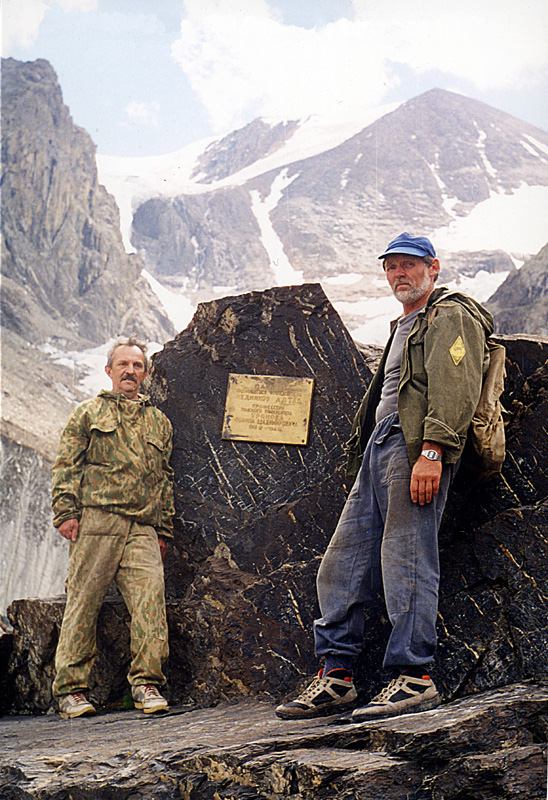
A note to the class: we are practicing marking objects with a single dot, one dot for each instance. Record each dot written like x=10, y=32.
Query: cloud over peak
x=243, y=61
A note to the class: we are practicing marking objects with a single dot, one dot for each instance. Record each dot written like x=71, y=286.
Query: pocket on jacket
x=155, y=452
x=100, y=444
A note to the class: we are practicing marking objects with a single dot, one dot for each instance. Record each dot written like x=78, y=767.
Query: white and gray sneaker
x=147, y=698
x=403, y=695
x=75, y=705
x=327, y=694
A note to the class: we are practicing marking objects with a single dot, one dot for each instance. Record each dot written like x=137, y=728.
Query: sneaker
x=326, y=695
x=147, y=698
x=403, y=695
x=75, y=705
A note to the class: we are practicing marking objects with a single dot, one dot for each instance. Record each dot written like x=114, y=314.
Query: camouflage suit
x=112, y=473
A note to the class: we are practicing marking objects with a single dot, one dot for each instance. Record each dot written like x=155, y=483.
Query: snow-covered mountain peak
x=134, y=180
x=315, y=199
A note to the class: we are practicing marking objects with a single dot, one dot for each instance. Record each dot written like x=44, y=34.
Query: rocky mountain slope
x=64, y=269
x=520, y=304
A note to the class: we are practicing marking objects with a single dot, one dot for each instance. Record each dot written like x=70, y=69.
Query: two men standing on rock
x=405, y=446
x=113, y=500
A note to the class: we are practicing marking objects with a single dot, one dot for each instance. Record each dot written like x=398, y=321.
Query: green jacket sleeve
x=68, y=469
x=454, y=353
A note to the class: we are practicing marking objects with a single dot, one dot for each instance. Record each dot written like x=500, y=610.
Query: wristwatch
x=431, y=455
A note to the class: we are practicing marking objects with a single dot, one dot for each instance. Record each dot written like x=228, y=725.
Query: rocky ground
x=480, y=748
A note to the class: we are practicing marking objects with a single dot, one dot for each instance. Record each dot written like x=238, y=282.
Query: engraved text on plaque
x=268, y=408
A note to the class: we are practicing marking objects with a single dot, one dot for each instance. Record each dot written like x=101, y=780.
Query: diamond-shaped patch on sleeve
x=457, y=350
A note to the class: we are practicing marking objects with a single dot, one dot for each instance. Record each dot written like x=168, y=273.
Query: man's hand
x=162, y=541
x=425, y=476
x=69, y=529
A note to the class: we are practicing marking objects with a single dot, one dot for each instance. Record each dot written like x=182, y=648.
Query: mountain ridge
x=430, y=165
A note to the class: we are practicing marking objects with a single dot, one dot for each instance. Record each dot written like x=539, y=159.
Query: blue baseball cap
x=410, y=245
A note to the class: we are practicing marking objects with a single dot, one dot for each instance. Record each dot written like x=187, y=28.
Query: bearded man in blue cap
x=405, y=445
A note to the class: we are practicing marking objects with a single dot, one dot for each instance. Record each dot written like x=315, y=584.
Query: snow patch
x=346, y=279
x=177, y=305
x=482, y=137
x=448, y=201
x=88, y=364
x=516, y=223
x=481, y=286
x=283, y=271
x=535, y=142
x=377, y=312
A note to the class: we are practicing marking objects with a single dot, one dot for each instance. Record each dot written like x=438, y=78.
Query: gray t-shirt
x=392, y=368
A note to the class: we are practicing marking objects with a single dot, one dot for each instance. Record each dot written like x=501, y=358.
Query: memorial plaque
x=268, y=408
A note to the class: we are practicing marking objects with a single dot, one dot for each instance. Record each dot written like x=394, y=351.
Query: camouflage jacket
x=114, y=455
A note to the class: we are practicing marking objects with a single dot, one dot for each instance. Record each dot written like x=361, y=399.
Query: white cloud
x=242, y=61
x=21, y=19
x=492, y=43
x=143, y=113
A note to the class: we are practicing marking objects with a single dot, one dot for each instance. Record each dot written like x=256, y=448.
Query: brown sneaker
x=327, y=694
x=147, y=698
x=75, y=705
x=403, y=695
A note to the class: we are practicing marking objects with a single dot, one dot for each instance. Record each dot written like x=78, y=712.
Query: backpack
x=486, y=432
x=485, y=448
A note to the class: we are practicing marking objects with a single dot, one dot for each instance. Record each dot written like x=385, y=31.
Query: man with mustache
x=113, y=500
x=405, y=446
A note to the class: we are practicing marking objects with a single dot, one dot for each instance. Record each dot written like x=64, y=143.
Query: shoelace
x=79, y=697
x=388, y=691
x=150, y=691
x=311, y=690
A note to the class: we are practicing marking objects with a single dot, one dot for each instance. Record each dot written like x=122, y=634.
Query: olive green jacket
x=444, y=360
x=114, y=455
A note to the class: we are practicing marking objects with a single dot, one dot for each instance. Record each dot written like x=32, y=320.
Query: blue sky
x=147, y=77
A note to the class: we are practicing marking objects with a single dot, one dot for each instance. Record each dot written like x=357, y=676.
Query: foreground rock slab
x=487, y=746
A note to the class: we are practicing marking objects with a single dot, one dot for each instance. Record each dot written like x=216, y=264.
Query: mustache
x=128, y=377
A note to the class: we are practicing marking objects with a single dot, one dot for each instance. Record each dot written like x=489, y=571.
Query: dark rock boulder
x=271, y=504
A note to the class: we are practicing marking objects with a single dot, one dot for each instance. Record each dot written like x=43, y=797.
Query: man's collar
x=435, y=295
x=141, y=398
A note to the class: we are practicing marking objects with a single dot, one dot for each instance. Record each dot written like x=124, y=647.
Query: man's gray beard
x=409, y=296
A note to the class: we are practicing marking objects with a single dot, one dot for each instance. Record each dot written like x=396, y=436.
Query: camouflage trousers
x=111, y=547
